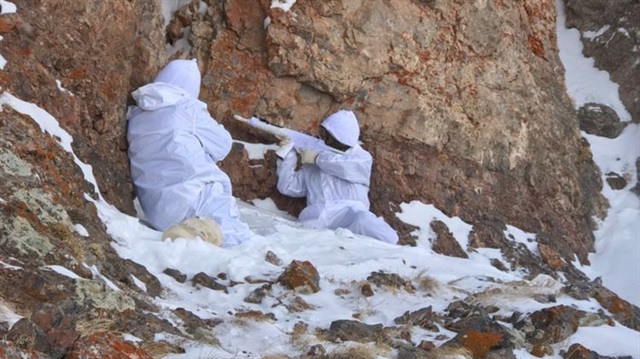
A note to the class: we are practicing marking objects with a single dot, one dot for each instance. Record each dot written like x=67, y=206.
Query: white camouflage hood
x=343, y=126
x=178, y=79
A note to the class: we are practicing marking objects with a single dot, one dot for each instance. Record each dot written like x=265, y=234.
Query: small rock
x=552, y=325
x=301, y=277
x=445, y=243
x=424, y=318
x=258, y=294
x=298, y=305
x=600, y=120
x=366, y=290
x=317, y=351
x=175, y=274
x=352, y=330
x=577, y=351
x=273, y=258
x=426, y=345
x=551, y=257
x=206, y=281
x=615, y=181
x=392, y=280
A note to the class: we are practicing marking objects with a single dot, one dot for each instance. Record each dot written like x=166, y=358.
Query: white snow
x=282, y=4
x=9, y=266
x=59, y=84
x=7, y=7
x=617, y=256
x=81, y=230
x=64, y=271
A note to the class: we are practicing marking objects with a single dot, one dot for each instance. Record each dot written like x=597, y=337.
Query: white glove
x=285, y=146
x=308, y=156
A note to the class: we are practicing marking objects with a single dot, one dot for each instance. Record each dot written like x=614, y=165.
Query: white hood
x=178, y=79
x=343, y=126
x=158, y=95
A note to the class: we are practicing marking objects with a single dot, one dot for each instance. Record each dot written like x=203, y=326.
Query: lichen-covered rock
x=105, y=345
x=301, y=276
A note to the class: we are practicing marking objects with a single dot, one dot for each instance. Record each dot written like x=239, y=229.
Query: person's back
x=174, y=145
x=336, y=183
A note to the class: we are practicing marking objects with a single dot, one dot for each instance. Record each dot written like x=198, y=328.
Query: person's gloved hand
x=308, y=156
x=285, y=146
x=284, y=141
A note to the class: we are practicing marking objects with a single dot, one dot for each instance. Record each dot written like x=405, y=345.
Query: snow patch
x=9, y=266
x=282, y=4
x=62, y=89
x=421, y=215
x=594, y=34
x=7, y=7
x=64, y=271
x=81, y=230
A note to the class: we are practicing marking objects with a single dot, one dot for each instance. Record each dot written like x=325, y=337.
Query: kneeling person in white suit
x=335, y=183
x=174, y=145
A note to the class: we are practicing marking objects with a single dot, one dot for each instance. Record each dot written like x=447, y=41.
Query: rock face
x=610, y=35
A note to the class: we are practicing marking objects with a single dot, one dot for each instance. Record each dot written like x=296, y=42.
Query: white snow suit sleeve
x=354, y=165
x=290, y=182
x=215, y=139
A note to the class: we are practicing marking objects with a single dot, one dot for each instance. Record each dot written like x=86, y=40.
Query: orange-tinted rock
x=106, y=345
x=301, y=276
x=551, y=257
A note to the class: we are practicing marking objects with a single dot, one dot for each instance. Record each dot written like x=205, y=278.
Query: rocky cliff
x=462, y=105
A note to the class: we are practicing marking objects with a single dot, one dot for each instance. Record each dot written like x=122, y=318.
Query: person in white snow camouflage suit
x=174, y=145
x=335, y=183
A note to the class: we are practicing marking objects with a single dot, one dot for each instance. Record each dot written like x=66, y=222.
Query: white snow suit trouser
x=351, y=215
x=213, y=203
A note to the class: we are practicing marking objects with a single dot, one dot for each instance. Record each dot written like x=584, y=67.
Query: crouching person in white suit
x=335, y=183
x=174, y=145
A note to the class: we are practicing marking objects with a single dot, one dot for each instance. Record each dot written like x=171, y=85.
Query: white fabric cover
x=174, y=145
x=337, y=185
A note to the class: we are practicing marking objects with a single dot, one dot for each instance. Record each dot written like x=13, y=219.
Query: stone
x=208, y=282
x=193, y=323
x=390, y=280
x=301, y=276
x=551, y=257
x=551, y=325
x=578, y=351
x=445, y=243
x=351, y=330
x=600, y=120
x=272, y=258
x=424, y=318
x=175, y=274
x=480, y=335
x=257, y=295
x=366, y=290
x=105, y=345
x=615, y=181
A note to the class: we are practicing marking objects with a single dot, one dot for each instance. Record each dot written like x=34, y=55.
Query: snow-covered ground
x=617, y=257
x=345, y=260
